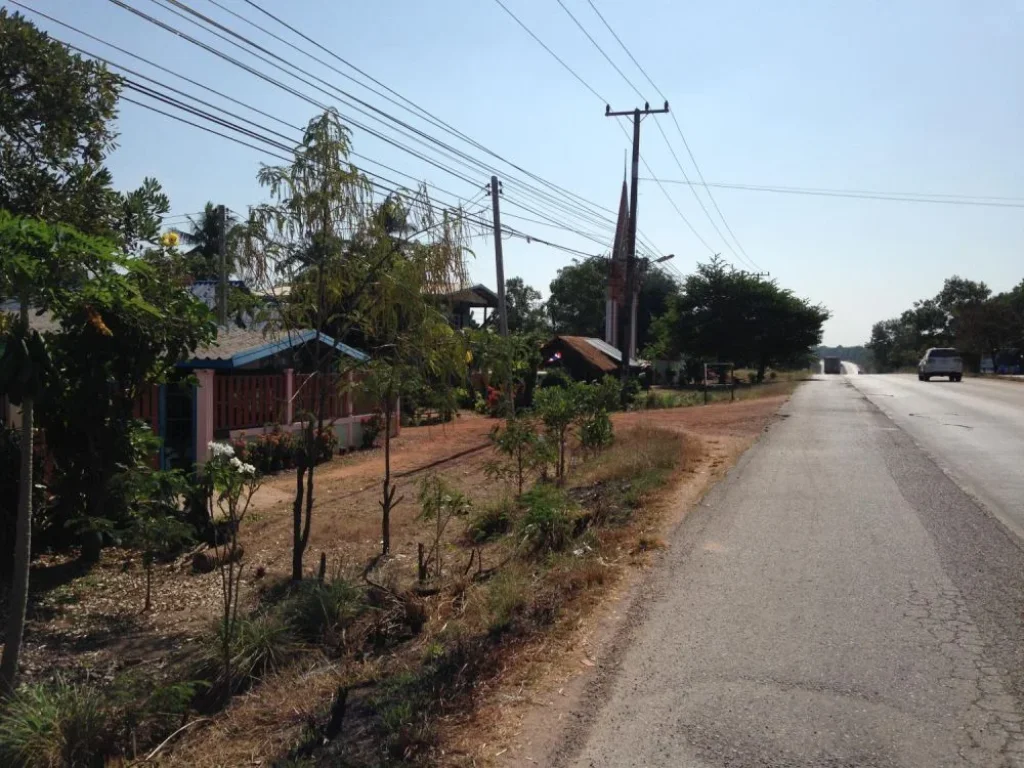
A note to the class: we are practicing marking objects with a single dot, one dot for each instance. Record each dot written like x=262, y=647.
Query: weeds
x=55, y=725
x=508, y=594
x=547, y=523
x=257, y=646
x=319, y=612
x=492, y=521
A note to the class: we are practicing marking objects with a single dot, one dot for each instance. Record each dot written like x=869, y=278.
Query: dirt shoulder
x=533, y=715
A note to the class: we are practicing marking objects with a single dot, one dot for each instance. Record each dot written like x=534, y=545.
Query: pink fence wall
x=248, y=400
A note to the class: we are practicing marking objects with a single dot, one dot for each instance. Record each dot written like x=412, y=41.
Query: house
x=463, y=301
x=241, y=384
x=583, y=357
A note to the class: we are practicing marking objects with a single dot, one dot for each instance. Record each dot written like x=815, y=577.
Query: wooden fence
x=305, y=401
x=249, y=400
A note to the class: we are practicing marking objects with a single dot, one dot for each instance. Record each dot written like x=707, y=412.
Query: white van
x=941, y=361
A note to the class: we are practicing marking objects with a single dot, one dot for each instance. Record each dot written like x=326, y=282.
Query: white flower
x=221, y=450
x=236, y=463
x=247, y=469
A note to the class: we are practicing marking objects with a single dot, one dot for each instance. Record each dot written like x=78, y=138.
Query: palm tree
x=204, y=237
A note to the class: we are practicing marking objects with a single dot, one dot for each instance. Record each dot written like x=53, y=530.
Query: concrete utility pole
x=222, y=249
x=626, y=339
x=499, y=263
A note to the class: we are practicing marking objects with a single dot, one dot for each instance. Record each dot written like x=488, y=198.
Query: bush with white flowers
x=230, y=485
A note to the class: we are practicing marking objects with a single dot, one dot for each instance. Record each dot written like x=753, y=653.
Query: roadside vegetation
x=966, y=314
x=193, y=616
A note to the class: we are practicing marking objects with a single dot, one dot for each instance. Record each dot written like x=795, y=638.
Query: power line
x=600, y=49
x=246, y=132
x=591, y=89
x=664, y=136
x=905, y=197
x=557, y=58
x=578, y=212
x=429, y=115
x=473, y=219
x=682, y=136
x=408, y=128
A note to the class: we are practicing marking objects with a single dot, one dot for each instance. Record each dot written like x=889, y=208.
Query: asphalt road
x=974, y=429
x=837, y=601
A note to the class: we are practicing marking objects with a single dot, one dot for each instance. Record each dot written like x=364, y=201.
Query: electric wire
x=679, y=129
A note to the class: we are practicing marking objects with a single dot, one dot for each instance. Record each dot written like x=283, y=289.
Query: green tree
x=576, y=303
x=526, y=312
x=413, y=341
x=202, y=241
x=579, y=293
x=48, y=268
x=304, y=236
x=734, y=317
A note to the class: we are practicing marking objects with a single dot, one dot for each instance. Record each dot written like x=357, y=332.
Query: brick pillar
x=289, y=393
x=203, y=428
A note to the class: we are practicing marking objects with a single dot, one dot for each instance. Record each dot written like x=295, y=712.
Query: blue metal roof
x=237, y=347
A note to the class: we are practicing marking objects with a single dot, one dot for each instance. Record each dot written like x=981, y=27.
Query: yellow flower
x=96, y=321
x=169, y=240
x=469, y=356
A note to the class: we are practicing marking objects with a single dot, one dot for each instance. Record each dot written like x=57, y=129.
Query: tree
x=579, y=293
x=55, y=131
x=731, y=316
x=203, y=235
x=526, y=312
x=55, y=113
x=46, y=267
x=576, y=302
x=305, y=235
x=413, y=340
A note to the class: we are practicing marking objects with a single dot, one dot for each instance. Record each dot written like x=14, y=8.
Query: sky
x=921, y=96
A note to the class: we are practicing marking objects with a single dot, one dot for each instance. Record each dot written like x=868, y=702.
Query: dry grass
x=443, y=647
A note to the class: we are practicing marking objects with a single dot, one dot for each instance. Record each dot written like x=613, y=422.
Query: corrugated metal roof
x=235, y=346
x=609, y=350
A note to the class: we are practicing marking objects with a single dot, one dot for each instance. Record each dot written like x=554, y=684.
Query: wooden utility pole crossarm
x=626, y=335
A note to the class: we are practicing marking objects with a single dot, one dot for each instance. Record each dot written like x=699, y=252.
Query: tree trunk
x=297, y=549
x=149, y=588
x=385, y=521
x=18, y=602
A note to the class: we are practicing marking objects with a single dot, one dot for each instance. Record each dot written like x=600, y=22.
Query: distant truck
x=833, y=365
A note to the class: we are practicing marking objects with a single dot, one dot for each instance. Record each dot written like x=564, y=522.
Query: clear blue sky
x=911, y=95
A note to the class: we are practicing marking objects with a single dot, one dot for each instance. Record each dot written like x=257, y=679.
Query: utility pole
x=626, y=339
x=222, y=249
x=499, y=263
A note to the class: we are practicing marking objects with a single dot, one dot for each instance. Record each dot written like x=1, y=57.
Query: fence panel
x=247, y=401
x=306, y=395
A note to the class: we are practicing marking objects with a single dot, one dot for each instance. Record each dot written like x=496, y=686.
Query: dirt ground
x=93, y=622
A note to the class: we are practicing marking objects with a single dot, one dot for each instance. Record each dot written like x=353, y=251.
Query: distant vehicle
x=941, y=361
x=833, y=365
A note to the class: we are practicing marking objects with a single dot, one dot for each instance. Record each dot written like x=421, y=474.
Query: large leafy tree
x=579, y=292
x=576, y=302
x=731, y=316
x=526, y=311
x=66, y=237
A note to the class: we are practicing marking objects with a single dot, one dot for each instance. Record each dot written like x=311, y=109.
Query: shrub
x=595, y=431
x=507, y=596
x=493, y=521
x=371, y=428
x=258, y=646
x=547, y=522
x=317, y=611
x=55, y=725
